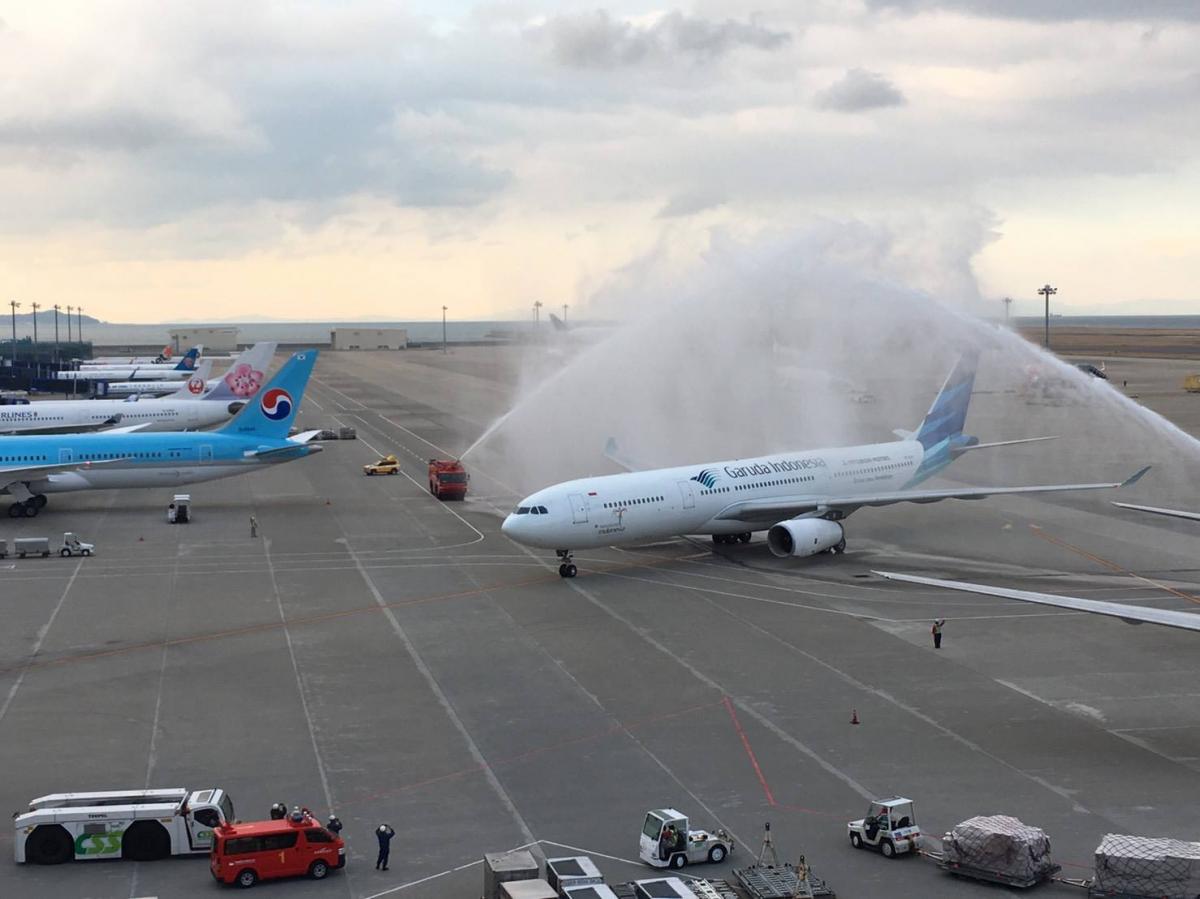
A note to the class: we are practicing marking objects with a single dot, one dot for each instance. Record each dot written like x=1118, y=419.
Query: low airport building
x=369, y=338
x=214, y=340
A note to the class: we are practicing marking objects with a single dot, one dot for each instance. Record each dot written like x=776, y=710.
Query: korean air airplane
x=148, y=372
x=799, y=498
x=196, y=404
x=31, y=467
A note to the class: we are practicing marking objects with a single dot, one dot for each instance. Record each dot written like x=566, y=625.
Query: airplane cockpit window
x=522, y=510
x=533, y=510
x=542, y=510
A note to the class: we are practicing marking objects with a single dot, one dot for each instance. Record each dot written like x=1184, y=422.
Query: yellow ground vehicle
x=387, y=465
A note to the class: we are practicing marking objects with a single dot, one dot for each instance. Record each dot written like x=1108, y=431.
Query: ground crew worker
x=384, y=834
x=253, y=526
x=278, y=811
x=335, y=825
x=937, y=632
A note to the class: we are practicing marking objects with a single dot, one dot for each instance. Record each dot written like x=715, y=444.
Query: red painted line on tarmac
x=749, y=751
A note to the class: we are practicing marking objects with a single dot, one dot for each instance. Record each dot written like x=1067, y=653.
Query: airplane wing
x=128, y=429
x=64, y=429
x=25, y=473
x=776, y=510
x=1155, y=510
x=283, y=452
x=995, y=443
x=303, y=436
x=1130, y=614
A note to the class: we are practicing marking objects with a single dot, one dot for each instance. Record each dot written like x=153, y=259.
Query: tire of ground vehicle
x=318, y=869
x=65, y=553
x=678, y=860
x=86, y=552
x=716, y=855
x=247, y=877
x=49, y=844
x=888, y=850
x=145, y=841
x=856, y=841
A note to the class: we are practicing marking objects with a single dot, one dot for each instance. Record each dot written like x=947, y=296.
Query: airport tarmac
x=392, y=658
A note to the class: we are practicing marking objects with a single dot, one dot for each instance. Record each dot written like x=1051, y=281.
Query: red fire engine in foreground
x=448, y=479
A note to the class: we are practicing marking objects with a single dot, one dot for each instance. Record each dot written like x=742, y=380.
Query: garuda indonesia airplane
x=31, y=467
x=799, y=498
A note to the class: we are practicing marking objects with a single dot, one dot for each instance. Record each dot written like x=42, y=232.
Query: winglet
x=613, y=454
x=1135, y=477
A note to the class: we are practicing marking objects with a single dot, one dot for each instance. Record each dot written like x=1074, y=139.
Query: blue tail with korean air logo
x=941, y=431
x=271, y=413
x=188, y=362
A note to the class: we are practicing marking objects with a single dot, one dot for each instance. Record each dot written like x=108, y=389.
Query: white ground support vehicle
x=687, y=847
x=890, y=826
x=139, y=824
x=73, y=546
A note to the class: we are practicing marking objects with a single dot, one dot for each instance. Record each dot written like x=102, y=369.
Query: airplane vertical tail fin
x=559, y=324
x=194, y=387
x=272, y=413
x=189, y=360
x=947, y=416
x=246, y=374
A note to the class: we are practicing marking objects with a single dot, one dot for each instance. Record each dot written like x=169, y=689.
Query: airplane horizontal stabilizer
x=1130, y=614
x=975, y=446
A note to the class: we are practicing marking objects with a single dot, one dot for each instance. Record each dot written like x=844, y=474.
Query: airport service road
x=395, y=659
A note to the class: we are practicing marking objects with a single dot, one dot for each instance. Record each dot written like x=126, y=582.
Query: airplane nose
x=508, y=529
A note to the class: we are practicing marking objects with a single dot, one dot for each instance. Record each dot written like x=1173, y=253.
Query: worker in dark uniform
x=666, y=841
x=384, y=834
x=335, y=825
x=938, y=623
x=278, y=811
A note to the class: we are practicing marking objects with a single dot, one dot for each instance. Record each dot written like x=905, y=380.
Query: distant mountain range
x=45, y=315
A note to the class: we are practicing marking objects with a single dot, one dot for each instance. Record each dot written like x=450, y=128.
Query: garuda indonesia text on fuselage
x=799, y=498
x=31, y=467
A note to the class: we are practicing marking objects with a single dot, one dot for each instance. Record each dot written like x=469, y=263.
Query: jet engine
x=802, y=537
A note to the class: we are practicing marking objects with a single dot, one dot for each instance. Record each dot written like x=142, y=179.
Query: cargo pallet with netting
x=974, y=873
x=768, y=879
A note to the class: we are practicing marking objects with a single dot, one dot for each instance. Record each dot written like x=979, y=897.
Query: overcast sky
x=332, y=160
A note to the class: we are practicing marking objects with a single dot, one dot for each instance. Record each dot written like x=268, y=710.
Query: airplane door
x=689, y=498
x=206, y=453
x=66, y=455
x=579, y=508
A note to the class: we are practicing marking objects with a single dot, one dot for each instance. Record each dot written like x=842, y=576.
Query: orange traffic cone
x=854, y=716
x=141, y=539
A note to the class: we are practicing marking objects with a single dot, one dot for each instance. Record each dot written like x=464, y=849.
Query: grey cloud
x=1055, y=10
x=859, y=90
x=597, y=40
x=689, y=203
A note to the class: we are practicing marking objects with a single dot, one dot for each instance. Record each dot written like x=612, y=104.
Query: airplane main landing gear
x=29, y=508
x=567, y=568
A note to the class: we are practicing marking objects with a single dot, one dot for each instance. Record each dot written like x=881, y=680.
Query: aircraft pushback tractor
x=799, y=498
x=31, y=467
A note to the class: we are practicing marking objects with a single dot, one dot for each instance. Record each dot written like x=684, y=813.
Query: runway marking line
x=1111, y=566
x=758, y=772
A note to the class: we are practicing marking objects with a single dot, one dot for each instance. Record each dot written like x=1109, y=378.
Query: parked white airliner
x=799, y=498
x=193, y=406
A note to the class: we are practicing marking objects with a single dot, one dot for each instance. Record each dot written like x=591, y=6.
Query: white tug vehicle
x=667, y=841
x=137, y=824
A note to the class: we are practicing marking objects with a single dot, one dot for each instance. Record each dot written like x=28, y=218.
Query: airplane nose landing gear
x=567, y=568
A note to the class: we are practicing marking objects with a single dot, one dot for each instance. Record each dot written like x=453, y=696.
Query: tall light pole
x=35, y=307
x=1047, y=291
x=444, y=308
x=69, y=308
x=56, y=332
x=537, y=311
x=79, y=321
x=1007, y=304
x=15, y=306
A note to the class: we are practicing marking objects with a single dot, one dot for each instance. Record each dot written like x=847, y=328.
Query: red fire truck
x=448, y=479
x=263, y=850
